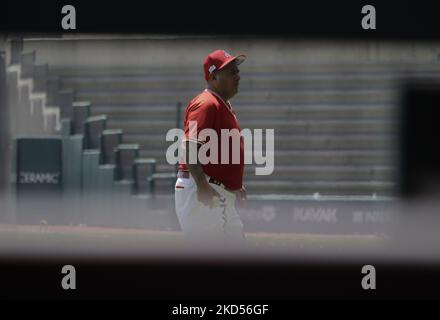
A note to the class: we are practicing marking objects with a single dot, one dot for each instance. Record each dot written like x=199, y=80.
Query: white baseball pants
x=199, y=222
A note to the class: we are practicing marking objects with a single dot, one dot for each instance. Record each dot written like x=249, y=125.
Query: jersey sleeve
x=200, y=116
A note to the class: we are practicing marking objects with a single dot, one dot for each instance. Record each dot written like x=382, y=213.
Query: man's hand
x=206, y=195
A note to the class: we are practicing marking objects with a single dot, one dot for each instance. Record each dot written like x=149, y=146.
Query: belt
x=185, y=175
x=211, y=180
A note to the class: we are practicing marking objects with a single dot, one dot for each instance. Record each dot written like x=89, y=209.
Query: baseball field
x=44, y=238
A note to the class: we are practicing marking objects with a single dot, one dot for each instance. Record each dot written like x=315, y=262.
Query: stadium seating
x=333, y=106
x=100, y=172
x=333, y=139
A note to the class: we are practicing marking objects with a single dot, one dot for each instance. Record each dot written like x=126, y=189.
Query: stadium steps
x=288, y=142
x=249, y=81
x=266, y=186
x=333, y=121
x=353, y=68
x=320, y=172
x=352, y=126
x=251, y=96
x=328, y=111
x=323, y=188
x=334, y=132
x=307, y=157
x=306, y=172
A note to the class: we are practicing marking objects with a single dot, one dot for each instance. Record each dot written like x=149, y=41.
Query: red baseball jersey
x=209, y=110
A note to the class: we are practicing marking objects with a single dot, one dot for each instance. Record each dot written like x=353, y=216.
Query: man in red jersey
x=206, y=192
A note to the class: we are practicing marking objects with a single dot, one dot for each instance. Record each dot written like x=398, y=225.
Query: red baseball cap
x=219, y=59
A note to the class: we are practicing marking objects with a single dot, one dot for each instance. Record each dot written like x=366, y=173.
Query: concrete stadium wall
x=5, y=201
x=88, y=51
x=4, y=127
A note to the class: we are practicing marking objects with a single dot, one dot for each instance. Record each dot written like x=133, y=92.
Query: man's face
x=228, y=80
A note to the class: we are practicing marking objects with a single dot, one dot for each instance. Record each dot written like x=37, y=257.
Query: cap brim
x=238, y=59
